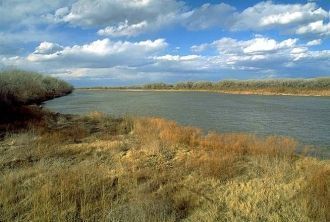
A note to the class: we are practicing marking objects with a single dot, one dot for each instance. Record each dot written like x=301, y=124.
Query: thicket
x=23, y=88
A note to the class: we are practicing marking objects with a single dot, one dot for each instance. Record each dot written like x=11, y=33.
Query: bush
x=22, y=88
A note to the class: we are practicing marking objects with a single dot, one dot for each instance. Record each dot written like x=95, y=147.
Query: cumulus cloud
x=48, y=48
x=17, y=14
x=131, y=18
x=124, y=29
x=99, y=53
x=39, y=22
x=314, y=42
x=317, y=28
x=119, y=18
x=258, y=45
x=147, y=60
x=264, y=54
x=25, y=22
x=300, y=19
x=177, y=58
x=34, y=21
x=270, y=15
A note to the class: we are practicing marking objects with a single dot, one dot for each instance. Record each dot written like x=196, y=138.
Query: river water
x=306, y=119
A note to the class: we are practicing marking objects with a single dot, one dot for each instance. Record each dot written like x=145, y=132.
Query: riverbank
x=263, y=93
x=57, y=167
x=296, y=87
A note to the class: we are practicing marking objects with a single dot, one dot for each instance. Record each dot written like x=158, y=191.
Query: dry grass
x=97, y=168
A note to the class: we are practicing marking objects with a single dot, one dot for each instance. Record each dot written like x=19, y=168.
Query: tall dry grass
x=99, y=168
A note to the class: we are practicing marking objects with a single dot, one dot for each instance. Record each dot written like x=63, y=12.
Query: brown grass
x=98, y=168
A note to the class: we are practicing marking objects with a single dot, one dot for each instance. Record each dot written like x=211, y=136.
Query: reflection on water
x=304, y=118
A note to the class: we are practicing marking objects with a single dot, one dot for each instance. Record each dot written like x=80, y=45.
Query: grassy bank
x=97, y=168
x=317, y=86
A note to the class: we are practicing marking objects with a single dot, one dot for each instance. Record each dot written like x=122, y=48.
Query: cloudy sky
x=124, y=42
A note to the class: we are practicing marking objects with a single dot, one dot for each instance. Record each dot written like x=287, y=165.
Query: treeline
x=294, y=86
x=277, y=85
x=23, y=88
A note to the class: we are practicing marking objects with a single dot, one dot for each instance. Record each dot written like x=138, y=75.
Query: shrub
x=21, y=88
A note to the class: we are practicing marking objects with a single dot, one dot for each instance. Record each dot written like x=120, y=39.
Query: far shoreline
x=243, y=92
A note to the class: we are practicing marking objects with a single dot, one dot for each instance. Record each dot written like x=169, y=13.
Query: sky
x=130, y=42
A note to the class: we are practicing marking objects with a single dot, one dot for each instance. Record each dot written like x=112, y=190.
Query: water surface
x=305, y=118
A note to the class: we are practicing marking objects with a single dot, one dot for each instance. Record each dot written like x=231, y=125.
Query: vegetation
x=56, y=167
x=98, y=168
x=21, y=88
x=318, y=86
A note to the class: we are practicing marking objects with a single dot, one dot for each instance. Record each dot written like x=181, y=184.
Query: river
x=306, y=119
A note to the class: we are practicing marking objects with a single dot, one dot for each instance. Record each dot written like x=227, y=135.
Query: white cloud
x=124, y=29
x=121, y=17
x=270, y=15
x=39, y=21
x=282, y=18
x=314, y=42
x=317, y=28
x=298, y=19
x=24, y=22
x=105, y=53
x=143, y=61
x=178, y=58
x=130, y=18
x=36, y=21
x=48, y=48
x=259, y=45
x=22, y=13
x=61, y=12
x=261, y=54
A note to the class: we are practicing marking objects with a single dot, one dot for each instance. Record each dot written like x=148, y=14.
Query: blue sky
x=125, y=42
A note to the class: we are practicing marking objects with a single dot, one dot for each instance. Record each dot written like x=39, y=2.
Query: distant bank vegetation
x=22, y=88
x=316, y=86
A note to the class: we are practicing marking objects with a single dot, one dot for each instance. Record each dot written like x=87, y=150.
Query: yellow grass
x=97, y=168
